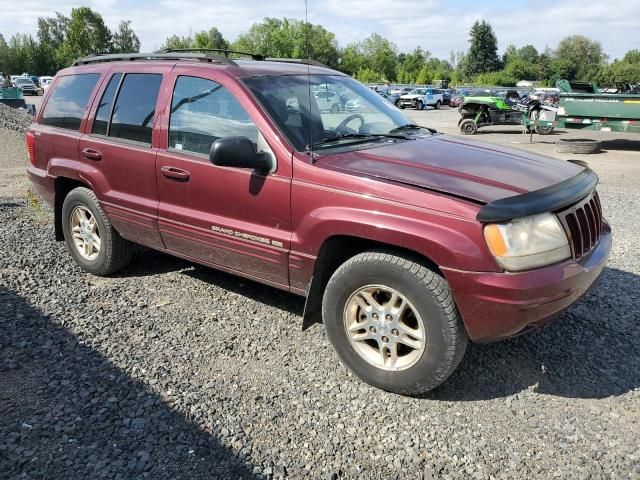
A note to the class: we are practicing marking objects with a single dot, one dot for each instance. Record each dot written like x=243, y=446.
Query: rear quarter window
x=66, y=105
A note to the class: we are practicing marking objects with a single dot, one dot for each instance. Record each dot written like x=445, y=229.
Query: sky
x=438, y=26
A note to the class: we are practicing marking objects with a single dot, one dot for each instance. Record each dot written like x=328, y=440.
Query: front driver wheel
x=393, y=322
x=419, y=105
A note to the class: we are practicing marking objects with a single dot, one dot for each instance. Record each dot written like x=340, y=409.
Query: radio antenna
x=306, y=40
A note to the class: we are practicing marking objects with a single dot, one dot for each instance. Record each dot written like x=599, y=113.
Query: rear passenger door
x=117, y=153
x=229, y=217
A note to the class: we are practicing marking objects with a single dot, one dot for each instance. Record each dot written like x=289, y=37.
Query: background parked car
x=447, y=93
x=419, y=98
x=45, y=82
x=328, y=101
x=26, y=85
x=393, y=98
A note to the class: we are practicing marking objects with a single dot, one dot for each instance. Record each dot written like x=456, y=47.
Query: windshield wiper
x=347, y=136
x=411, y=126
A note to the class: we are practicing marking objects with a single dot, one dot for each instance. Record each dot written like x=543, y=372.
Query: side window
x=68, y=100
x=135, y=107
x=202, y=111
x=104, y=109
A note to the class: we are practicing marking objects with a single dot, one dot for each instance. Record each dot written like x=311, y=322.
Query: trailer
x=583, y=106
x=12, y=97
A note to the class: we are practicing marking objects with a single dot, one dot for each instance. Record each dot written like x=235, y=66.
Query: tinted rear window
x=135, y=107
x=68, y=100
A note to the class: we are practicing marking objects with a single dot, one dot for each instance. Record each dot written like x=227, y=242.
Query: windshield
x=25, y=81
x=338, y=107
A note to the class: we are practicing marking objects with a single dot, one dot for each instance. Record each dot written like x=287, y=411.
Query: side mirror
x=239, y=152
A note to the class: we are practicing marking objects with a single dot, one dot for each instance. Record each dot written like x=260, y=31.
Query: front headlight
x=528, y=242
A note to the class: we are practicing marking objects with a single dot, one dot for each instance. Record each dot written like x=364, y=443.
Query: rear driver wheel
x=393, y=322
x=93, y=243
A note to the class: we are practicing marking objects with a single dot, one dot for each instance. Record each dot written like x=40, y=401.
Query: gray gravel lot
x=172, y=370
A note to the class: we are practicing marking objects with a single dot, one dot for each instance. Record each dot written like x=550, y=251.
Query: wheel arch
x=62, y=187
x=337, y=249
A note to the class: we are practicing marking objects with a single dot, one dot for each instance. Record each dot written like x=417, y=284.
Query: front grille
x=583, y=224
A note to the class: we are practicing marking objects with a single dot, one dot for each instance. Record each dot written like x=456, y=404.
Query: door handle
x=175, y=173
x=91, y=154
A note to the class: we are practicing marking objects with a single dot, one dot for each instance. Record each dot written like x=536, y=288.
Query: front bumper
x=495, y=306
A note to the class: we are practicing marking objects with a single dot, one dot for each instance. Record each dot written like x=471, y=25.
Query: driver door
x=231, y=218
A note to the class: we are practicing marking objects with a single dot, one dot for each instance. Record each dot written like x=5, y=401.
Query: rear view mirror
x=239, y=152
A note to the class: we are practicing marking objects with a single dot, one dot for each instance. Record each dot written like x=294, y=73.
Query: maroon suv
x=405, y=242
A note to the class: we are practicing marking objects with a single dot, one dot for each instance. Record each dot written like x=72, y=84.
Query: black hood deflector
x=548, y=199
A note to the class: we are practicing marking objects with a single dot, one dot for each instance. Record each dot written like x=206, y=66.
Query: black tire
x=419, y=105
x=578, y=145
x=534, y=115
x=445, y=336
x=544, y=130
x=438, y=104
x=468, y=126
x=115, y=252
x=335, y=108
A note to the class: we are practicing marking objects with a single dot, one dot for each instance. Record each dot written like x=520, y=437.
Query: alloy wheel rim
x=85, y=233
x=384, y=328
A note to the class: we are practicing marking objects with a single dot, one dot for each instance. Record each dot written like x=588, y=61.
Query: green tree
x=4, y=55
x=584, y=56
x=351, y=59
x=498, y=78
x=87, y=33
x=632, y=56
x=17, y=61
x=53, y=30
x=625, y=70
x=175, y=41
x=381, y=55
x=210, y=39
x=410, y=65
x=125, y=39
x=287, y=38
x=483, y=52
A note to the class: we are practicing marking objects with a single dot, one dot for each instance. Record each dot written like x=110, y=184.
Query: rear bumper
x=495, y=306
x=43, y=183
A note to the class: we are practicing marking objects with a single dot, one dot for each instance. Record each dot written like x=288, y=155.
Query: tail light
x=31, y=147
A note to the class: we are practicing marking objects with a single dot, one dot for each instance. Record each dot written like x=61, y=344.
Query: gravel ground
x=14, y=119
x=171, y=370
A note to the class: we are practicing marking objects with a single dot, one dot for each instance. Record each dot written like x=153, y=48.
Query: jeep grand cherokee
x=406, y=243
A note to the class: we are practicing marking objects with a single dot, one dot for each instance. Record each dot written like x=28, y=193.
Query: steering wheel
x=342, y=127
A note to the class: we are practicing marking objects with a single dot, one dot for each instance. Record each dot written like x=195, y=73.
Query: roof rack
x=225, y=51
x=115, y=57
x=304, y=61
x=198, y=54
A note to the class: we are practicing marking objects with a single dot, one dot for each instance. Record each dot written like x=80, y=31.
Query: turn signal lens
x=495, y=241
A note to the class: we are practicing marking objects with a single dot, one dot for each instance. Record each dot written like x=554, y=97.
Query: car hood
x=410, y=96
x=464, y=168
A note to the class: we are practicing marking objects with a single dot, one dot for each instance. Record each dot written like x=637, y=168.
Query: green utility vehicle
x=489, y=110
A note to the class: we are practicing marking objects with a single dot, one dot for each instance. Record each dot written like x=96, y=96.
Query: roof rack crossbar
x=304, y=61
x=115, y=57
x=225, y=51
